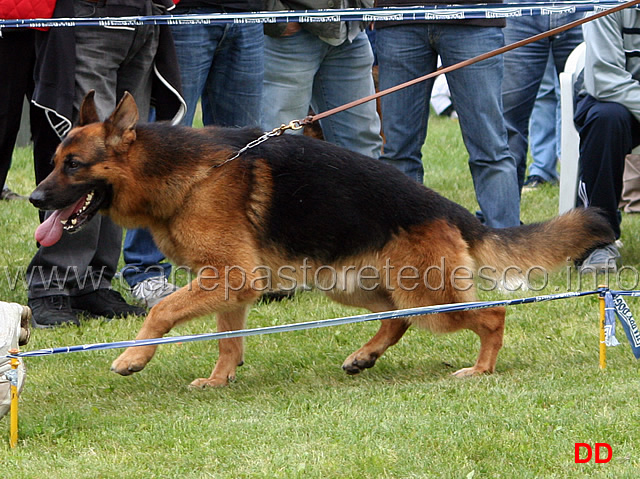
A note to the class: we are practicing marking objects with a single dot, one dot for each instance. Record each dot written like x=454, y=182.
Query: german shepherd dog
x=311, y=211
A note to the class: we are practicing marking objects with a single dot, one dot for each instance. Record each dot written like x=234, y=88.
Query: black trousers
x=608, y=132
x=79, y=263
x=17, y=60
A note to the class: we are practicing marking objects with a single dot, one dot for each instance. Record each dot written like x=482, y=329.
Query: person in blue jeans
x=544, y=131
x=322, y=66
x=410, y=50
x=524, y=68
x=223, y=66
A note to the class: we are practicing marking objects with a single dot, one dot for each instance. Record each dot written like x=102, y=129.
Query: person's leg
x=142, y=257
x=47, y=290
x=17, y=59
x=233, y=92
x=404, y=54
x=564, y=43
x=136, y=70
x=133, y=75
x=523, y=71
x=290, y=65
x=145, y=271
x=544, y=135
x=195, y=50
x=344, y=76
x=57, y=272
x=481, y=121
x=608, y=132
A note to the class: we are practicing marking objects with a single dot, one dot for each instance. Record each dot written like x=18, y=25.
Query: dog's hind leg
x=489, y=325
x=231, y=350
x=390, y=332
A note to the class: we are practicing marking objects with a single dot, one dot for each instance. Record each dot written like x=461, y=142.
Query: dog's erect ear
x=121, y=125
x=88, y=112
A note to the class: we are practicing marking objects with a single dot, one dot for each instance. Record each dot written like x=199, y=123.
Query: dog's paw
x=357, y=363
x=129, y=362
x=203, y=383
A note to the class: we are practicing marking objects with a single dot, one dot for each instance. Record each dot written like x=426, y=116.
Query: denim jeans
x=544, y=127
x=301, y=71
x=142, y=257
x=406, y=52
x=523, y=71
x=223, y=66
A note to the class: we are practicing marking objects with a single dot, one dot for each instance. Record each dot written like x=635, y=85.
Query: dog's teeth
x=74, y=221
x=64, y=222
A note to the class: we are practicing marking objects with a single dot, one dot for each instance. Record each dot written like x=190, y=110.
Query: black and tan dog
x=293, y=210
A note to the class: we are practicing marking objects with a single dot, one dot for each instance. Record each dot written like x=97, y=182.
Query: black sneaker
x=107, y=303
x=51, y=311
x=534, y=182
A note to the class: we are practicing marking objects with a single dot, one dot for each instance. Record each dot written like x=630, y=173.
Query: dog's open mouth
x=69, y=219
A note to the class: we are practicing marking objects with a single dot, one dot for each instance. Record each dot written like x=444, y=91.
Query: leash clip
x=292, y=125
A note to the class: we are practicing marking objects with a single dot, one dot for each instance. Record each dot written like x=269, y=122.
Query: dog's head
x=81, y=183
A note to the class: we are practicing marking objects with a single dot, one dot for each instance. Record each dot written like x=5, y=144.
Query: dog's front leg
x=197, y=299
x=231, y=350
x=158, y=322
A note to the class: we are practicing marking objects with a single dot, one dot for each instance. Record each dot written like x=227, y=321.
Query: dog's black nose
x=37, y=198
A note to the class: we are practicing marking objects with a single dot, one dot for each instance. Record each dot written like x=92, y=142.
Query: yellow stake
x=603, y=346
x=13, y=437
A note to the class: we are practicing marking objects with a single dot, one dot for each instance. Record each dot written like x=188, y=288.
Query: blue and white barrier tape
x=610, y=321
x=615, y=302
x=443, y=308
x=434, y=12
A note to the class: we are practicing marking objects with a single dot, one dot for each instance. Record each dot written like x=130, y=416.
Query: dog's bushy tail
x=541, y=247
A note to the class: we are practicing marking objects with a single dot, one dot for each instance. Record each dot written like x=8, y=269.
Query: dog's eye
x=71, y=163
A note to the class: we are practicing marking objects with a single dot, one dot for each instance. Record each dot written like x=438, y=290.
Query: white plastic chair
x=569, y=138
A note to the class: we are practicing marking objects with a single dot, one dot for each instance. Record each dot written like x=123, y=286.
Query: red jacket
x=24, y=9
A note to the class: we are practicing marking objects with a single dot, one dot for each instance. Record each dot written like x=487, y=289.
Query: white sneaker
x=152, y=290
x=601, y=260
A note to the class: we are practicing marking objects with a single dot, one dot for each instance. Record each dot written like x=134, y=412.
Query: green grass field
x=293, y=413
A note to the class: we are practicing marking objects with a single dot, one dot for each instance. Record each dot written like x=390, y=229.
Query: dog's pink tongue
x=50, y=231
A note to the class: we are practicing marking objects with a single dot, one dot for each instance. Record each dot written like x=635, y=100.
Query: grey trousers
x=109, y=61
